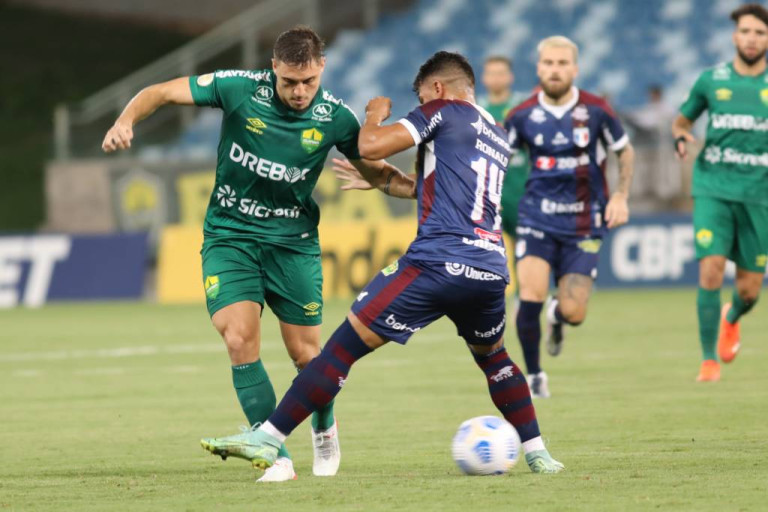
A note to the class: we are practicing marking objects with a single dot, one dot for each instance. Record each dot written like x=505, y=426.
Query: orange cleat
x=729, y=341
x=710, y=371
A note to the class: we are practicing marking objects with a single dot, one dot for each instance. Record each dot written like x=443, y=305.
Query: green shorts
x=737, y=231
x=512, y=191
x=290, y=282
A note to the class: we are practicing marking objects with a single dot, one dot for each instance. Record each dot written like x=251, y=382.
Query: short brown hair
x=756, y=10
x=500, y=59
x=299, y=46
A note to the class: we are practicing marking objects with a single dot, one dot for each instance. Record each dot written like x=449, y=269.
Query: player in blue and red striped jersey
x=566, y=210
x=455, y=267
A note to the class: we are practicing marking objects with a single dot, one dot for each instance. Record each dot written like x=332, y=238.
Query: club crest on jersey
x=311, y=139
x=581, y=136
x=764, y=96
x=212, y=287
x=537, y=115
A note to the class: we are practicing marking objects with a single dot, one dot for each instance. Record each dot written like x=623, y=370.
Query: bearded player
x=260, y=234
x=455, y=267
x=566, y=210
x=730, y=184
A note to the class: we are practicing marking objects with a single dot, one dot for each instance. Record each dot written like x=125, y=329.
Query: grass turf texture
x=102, y=407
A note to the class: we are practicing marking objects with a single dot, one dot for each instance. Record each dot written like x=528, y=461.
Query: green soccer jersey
x=499, y=111
x=733, y=165
x=270, y=157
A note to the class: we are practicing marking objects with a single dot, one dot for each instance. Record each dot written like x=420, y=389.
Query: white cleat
x=327, y=451
x=538, y=384
x=280, y=471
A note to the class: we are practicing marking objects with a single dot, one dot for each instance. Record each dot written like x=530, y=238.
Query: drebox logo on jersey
x=226, y=196
x=274, y=171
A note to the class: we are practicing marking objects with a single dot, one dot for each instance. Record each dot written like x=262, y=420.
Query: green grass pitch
x=102, y=407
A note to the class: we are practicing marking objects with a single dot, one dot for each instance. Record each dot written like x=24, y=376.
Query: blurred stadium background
x=128, y=225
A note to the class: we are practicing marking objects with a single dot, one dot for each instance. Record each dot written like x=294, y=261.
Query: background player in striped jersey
x=565, y=210
x=730, y=184
x=455, y=267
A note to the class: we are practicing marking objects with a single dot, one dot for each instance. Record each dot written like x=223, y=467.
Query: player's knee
x=749, y=296
x=302, y=353
x=238, y=338
x=574, y=313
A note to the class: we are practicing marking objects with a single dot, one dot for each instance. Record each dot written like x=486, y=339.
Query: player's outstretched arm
x=681, y=131
x=376, y=142
x=366, y=175
x=142, y=105
x=617, y=210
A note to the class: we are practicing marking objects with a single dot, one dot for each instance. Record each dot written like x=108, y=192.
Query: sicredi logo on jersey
x=274, y=171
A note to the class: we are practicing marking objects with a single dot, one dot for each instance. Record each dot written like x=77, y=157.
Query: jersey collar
x=560, y=110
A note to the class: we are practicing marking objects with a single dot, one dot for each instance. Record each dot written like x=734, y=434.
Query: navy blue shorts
x=565, y=254
x=408, y=295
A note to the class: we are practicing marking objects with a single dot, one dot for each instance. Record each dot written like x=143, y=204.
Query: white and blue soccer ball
x=486, y=445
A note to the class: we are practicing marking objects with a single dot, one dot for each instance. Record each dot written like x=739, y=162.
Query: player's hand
x=378, y=109
x=118, y=137
x=345, y=171
x=617, y=211
x=681, y=151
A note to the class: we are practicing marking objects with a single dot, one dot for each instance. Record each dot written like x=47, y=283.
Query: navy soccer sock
x=321, y=380
x=509, y=392
x=529, y=333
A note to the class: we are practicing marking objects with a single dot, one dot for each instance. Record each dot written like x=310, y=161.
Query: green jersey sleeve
x=222, y=89
x=696, y=102
x=347, y=129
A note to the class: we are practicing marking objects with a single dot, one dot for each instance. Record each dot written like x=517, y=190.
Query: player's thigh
x=401, y=300
x=714, y=227
x=535, y=252
x=301, y=341
x=751, y=246
x=477, y=308
x=294, y=286
x=232, y=273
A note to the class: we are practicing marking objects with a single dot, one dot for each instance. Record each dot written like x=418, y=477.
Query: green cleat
x=540, y=461
x=252, y=445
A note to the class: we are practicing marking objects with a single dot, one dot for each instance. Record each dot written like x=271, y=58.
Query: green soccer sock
x=322, y=419
x=739, y=307
x=256, y=394
x=708, y=307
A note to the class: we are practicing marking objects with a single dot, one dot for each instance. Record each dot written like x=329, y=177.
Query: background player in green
x=498, y=78
x=260, y=234
x=730, y=184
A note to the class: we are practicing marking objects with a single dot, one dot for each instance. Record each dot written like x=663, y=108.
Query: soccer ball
x=486, y=445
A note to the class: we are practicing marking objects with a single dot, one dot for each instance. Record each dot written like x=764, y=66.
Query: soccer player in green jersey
x=260, y=233
x=730, y=184
x=498, y=78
